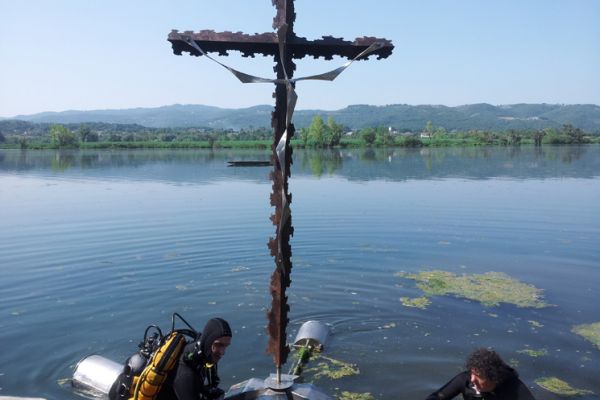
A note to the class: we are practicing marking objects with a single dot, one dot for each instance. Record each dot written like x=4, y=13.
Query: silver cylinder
x=258, y=389
x=96, y=374
x=313, y=333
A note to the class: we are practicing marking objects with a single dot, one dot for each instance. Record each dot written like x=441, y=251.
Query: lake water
x=96, y=245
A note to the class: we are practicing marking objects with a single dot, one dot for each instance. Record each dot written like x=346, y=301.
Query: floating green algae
x=354, y=396
x=560, y=387
x=590, y=332
x=534, y=353
x=491, y=288
x=418, y=302
x=535, y=324
x=333, y=369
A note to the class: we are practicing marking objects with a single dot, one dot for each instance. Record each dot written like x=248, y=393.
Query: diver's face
x=481, y=383
x=218, y=348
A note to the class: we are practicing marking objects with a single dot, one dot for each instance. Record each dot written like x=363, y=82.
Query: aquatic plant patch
x=590, y=332
x=354, y=396
x=560, y=387
x=490, y=289
x=328, y=367
x=417, y=302
x=534, y=353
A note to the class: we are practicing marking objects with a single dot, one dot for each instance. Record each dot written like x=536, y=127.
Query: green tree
x=383, y=136
x=334, y=132
x=84, y=132
x=168, y=137
x=411, y=141
x=512, y=138
x=61, y=136
x=574, y=135
x=368, y=136
x=2, y=138
x=537, y=136
x=483, y=137
x=212, y=140
x=23, y=141
x=316, y=132
x=553, y=136
x=92, y=137
x=304, y=136
x=439, y=132
x=429, y=128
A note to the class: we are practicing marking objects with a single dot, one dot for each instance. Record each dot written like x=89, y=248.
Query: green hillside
x=401, y=117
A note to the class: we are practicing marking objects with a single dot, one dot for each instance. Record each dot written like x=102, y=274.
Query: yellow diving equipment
x=147, y=385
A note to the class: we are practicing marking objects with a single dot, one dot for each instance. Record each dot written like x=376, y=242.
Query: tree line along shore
x=319, y=134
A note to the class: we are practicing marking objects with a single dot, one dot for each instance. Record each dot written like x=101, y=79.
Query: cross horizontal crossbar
x=267, y=44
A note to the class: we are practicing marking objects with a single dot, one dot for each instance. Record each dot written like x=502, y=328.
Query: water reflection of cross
x=284, y=46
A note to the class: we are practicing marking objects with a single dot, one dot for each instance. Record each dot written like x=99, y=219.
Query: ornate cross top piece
x=284, y=46
x=267, y=44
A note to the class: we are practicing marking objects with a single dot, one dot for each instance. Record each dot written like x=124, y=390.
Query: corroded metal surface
x=267, y=45
x=284, y=46
x=281, y=250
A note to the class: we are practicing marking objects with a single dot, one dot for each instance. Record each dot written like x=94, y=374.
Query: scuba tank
x=96, y=377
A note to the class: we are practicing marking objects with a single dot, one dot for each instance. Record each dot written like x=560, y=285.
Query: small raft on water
x=249, y=163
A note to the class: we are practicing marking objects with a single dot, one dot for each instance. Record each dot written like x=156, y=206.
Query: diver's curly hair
x=489, y=364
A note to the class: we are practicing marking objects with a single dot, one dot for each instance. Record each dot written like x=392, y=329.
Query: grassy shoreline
x=266, y=144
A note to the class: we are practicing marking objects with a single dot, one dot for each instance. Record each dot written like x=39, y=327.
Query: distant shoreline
x=319, y=134
x=266, y=144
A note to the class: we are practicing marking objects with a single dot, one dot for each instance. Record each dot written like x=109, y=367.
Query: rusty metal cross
x=284, y=46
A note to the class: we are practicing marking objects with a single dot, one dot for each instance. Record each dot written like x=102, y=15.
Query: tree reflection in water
x=355, y=164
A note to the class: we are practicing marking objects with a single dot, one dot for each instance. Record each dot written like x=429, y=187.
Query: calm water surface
x=96, y=245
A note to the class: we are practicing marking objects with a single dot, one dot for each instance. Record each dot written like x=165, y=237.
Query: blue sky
x=83, y=54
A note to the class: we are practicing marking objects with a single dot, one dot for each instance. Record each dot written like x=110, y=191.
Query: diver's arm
x=451, y=389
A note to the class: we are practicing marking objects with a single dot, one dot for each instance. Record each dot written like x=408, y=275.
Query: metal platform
x=260, y=389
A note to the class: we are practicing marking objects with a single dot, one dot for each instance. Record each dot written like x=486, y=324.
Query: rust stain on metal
x=284, y=50
x=267, y=45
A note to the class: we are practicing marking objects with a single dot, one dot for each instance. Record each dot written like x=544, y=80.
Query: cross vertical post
x=284, y=46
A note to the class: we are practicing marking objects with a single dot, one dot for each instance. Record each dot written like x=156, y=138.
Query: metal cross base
x=286, y=389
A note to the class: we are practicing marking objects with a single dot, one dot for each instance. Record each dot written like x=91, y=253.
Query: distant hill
x=400, y=116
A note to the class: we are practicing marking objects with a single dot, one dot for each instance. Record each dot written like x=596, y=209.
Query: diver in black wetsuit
x=487, y=378
x=196, y=375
